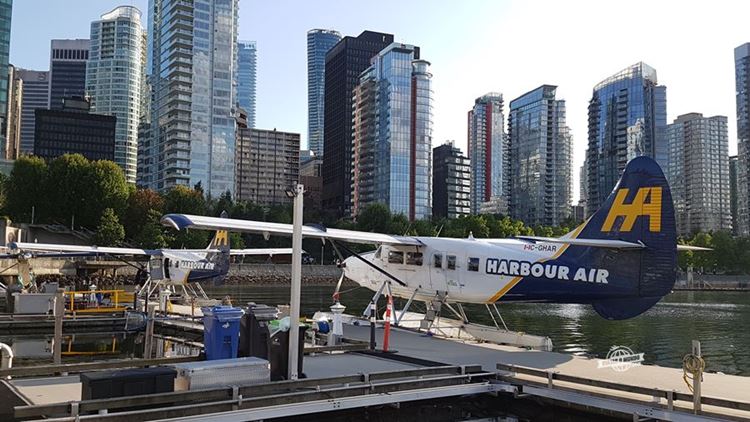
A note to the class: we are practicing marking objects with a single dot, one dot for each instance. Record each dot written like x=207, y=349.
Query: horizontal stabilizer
x=598, y=243
x=684, y=248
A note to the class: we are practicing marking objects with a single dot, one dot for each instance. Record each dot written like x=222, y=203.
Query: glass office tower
x=488, y=153
x=192, y=65
x=627, y=118
x=246, y=78
x=114, y=78
x=319, y=41
x=541, y=155
x=392, y=134
x=67, y=70
x=6, y=12
x=742, y=79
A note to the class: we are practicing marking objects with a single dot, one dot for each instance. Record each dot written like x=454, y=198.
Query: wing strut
x=386, y=273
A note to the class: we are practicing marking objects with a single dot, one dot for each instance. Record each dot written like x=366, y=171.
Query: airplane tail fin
x=639, y=210
x=221, y=243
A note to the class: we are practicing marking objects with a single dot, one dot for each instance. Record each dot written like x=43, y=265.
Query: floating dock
x=422, y=368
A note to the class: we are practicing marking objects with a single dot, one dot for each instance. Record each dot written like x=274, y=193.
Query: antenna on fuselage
x=440, y=230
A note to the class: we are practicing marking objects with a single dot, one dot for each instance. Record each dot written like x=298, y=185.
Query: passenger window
x=414, y=258
x=395, y=257
x=437, y=260
x=451, y=262
x=473, y=264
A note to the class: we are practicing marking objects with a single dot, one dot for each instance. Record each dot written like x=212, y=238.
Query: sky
x=474, y=47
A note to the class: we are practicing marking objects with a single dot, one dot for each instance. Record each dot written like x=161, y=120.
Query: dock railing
x=279, y=398
x=551, y=376
x=98, y=301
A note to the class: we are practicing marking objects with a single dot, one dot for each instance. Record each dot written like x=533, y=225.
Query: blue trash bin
x=221, y=331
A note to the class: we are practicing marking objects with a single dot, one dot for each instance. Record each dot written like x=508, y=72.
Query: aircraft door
x=443, y=271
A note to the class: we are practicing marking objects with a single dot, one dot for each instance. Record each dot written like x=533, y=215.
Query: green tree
x=183, y=200
x=140, y=202
x=236, y=241
x=70, y=190
x=152, y=234
x=224, y=203
x=374, y=218
x=398, y=225
x=110, y=232
x=26, y=189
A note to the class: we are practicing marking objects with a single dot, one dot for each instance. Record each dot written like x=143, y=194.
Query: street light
x=296, y=192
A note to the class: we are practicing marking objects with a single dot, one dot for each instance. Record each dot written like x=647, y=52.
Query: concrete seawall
x=275, y=274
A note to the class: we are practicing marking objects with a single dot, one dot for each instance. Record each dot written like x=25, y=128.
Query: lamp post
x=296, y=192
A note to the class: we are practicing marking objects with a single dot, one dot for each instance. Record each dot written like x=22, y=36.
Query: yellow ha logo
x=222, y=238
x=647, y=202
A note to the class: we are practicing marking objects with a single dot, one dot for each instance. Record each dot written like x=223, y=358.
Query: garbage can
x=279, y=357
x=221, y=331
x=255, y=336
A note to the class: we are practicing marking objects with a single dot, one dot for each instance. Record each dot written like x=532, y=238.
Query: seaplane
x=621, y=260
x=180, y=271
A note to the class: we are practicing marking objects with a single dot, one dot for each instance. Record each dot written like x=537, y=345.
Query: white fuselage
x=469, y=270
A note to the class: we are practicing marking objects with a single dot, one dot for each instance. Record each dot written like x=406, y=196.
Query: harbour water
x=664, y=333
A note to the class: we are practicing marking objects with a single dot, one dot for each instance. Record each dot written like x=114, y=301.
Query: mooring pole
x=59, y=312
x=697, y=378
x=148, y=341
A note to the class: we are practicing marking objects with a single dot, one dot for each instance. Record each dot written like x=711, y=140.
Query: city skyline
x=705, y=85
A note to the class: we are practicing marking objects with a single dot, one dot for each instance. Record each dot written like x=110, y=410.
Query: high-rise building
x=392, y=134
x=488, y=153
x=742, y=80
x=309, y=175
x=698, y=173
x=74, y=130
x=540, y=155
x=733, y=192
x=627, y=118
x=267, y=165
x=319, y=42
x=451, y=182
x=11, y=148
x=247, y=62
x=6, y=12
x=67, y=70
x=344, y=64
x=114, y=79
x=35, y=96
x=192, y=65
x=583, y=187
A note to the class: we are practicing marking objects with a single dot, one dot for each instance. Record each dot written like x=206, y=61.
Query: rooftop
x=638, y=70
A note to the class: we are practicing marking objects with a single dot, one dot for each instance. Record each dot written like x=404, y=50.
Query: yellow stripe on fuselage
x=516, y=280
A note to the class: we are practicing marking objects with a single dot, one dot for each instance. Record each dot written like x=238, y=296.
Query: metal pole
x=294, y=310
x=59, y=312
x=697, y=380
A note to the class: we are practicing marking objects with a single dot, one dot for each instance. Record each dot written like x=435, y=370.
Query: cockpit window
x=395, y=257
x=451, y=262
x=414, y=258
x=473, y=264
x=437, y=260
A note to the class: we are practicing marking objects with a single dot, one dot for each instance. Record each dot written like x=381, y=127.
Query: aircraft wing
x=183, y=221
x=683, y=248
x=599, y=243
x=81, y=250
x=261, y=251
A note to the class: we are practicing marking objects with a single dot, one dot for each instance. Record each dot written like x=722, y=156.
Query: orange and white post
x=387, y=328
